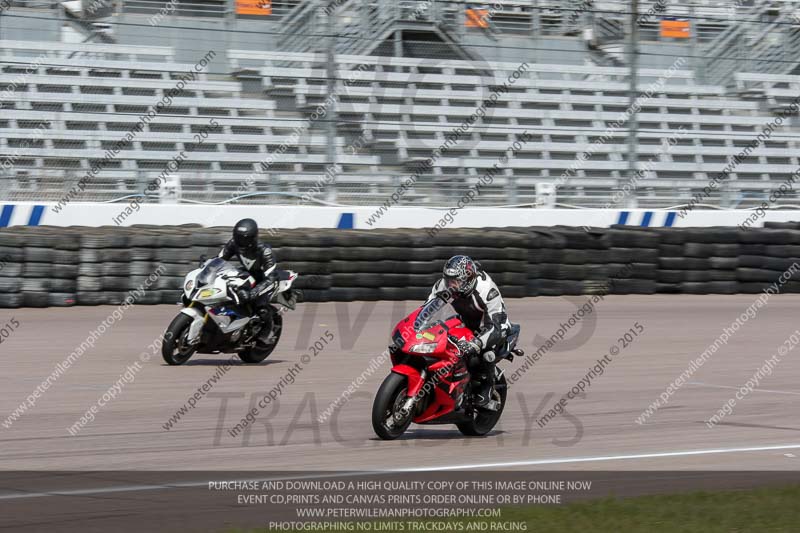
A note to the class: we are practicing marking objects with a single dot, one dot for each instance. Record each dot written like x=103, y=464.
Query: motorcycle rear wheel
x=265, y=344
x=175, y=349
x=391, y=396
x=485, y=420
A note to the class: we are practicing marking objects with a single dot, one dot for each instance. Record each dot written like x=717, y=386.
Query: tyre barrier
x=54, y=266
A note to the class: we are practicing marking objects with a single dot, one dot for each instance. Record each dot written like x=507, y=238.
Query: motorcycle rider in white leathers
x=477, y=300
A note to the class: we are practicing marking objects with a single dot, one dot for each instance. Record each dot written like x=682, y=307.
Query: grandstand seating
x=408, y=106
x=400, y=109
x=91, y=101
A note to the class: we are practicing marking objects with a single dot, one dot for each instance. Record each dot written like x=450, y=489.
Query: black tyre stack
x=50, y=266
x=588, y=260
x=765, y=255
x=548, y=274
x=310, y=253
x=671, y=266
x=698, y=260
x=393, y=264
x=634, y=264
x=144, y=262
x=368, y=266
x=64, y=269
x=711, y=256
x=173, y=257
x=782, y=225
x=564, y=261
x=103, y=266
x=12, y=261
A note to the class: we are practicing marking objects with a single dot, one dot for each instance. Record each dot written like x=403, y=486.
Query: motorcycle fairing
x=196, y=327
x=415, y=380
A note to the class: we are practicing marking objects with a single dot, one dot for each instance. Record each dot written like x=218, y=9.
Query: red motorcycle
x=430, y=383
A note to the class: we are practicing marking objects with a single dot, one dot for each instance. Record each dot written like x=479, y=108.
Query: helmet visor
x=454, y=284
x=243, y=240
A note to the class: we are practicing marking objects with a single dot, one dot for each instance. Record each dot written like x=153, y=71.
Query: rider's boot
x=266, y=317
x=483, y=395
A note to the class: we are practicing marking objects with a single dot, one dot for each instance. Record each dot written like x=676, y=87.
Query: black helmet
x=460, y=275
x=245, y=233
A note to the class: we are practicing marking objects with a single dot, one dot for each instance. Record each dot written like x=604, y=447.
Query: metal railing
x=361, y=190
x=358, y=21
x=204, y=8
x=771, y=46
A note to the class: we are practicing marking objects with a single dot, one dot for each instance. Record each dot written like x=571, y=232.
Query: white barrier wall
x=93, y=214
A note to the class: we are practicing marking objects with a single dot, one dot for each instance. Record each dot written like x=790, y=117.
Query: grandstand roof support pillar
x=331, y=98
x=694, y=47
x=230, y=23
x=633, y=122
x=398, y=43
x=536, y=27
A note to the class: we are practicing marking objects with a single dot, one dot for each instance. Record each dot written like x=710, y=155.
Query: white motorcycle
x=210, y=292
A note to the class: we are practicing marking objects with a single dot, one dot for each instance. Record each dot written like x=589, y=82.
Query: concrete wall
x=361, y=217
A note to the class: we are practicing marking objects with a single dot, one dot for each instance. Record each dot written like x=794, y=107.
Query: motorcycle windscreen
x=209, y=272
x=434, y=312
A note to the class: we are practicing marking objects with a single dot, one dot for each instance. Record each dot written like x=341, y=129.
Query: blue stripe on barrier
x=36, y=215
x=346, y=221
x=646, y=218
x=623, y=217
x=5, y=215
x=670, y=220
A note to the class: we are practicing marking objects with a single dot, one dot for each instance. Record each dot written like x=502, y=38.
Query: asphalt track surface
x=762, y=433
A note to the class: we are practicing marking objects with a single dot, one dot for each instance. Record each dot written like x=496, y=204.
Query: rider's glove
x=243, y=295
x=469, y=348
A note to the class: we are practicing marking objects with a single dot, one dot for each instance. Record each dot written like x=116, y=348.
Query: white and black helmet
x=460, y=275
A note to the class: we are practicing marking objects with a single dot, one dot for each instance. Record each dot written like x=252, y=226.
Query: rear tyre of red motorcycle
x=390, y=398
x=485, y=420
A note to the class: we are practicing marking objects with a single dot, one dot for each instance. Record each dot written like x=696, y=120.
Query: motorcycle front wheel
x=176, y=350
x=389, y=400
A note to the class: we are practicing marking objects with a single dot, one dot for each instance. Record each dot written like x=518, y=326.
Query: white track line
x=700, y=383
x=537, y=462
x=165, y=486
x=541, y=462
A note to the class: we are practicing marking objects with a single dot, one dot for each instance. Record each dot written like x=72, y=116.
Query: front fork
x=416, y=380
x=413, y=400
x=196, y=327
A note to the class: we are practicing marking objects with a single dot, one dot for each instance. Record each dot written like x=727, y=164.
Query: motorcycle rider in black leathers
x=477, y=300
x=257, y=258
